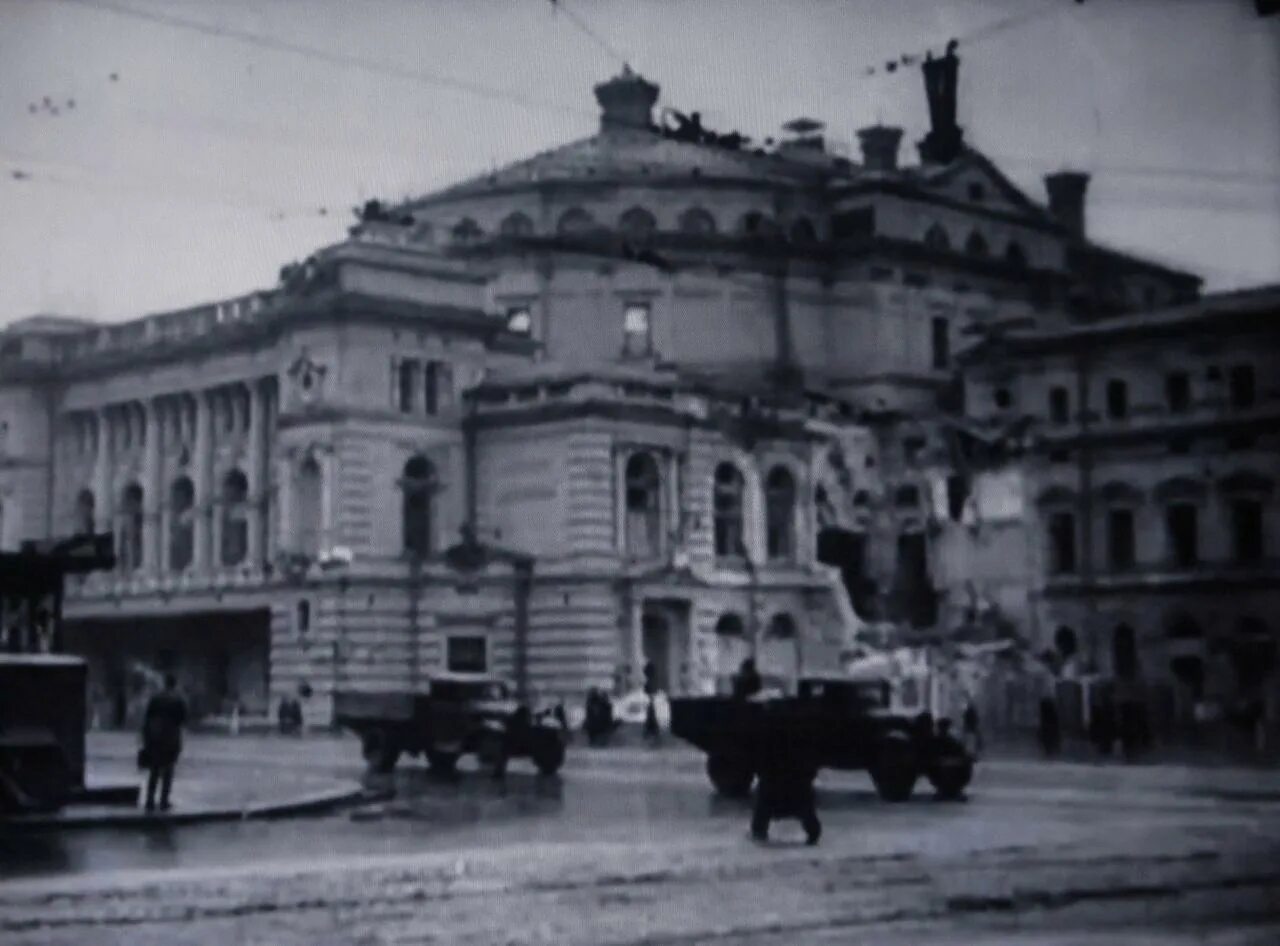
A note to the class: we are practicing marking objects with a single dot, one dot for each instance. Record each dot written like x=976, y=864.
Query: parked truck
x=42, y=719
x=450, y=716
x=840, y=723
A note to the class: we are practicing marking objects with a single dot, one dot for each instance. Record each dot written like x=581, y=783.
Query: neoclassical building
x=685, y=398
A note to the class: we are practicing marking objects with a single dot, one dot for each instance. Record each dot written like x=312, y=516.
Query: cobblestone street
x=629, y=847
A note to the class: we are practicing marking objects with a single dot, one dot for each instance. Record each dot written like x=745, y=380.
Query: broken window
x=643, y=506
x=637, y=332
x=1246, y=530
x=1120, y=539
x=1181, y=521
x=1062, y=543
x=1059, y=405
x=1117, y=399
x=1241, y=385
x=1177, y=392
x=940, y=347
x=780, y=504
x=727, y=511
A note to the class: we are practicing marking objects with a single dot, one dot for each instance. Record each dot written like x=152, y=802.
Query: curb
x=316, y=803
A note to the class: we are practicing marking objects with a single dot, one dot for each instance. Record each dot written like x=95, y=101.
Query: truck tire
x=731, y=777
x=380, y=751
x=492, y=753
x=894, y=770
x=442, y=763
x=548, y=755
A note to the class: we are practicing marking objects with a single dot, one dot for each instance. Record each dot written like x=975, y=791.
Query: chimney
x=944, y=142
x=1066, y=198
x=626, y=101
x=880, y=147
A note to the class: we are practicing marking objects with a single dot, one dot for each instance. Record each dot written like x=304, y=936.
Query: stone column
x=202, y=467
x=328, y=501
x=637, y=639
x=152, y=544
x=257, y=475
x=103, y=485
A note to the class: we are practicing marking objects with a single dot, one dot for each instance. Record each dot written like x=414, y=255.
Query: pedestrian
x=651, y=710
x=786, y=770
x=972, y=732
x=162, y=723
x=1050, y=728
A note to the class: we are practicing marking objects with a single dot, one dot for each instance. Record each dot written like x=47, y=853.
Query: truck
x=841, y=723
x=451, y=715
x=42, y=722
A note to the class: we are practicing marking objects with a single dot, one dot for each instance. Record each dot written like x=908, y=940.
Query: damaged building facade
x=654, y=396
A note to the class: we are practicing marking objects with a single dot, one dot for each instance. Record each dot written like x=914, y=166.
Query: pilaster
x=153, y=497
x=202, y=467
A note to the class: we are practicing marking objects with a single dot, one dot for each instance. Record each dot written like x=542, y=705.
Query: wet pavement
x=633, y=844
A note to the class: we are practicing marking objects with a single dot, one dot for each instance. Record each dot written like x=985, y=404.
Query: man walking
x=162, y=724
x=786, y=771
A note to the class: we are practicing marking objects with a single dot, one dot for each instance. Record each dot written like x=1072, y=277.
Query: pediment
x=973, y=178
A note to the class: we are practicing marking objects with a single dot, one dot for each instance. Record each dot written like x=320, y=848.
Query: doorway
x=664, y=643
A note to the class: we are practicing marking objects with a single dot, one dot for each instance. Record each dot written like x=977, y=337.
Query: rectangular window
x=1182, y=527
x=431, y=387
x=1059, y=405
x=1120, y=539
x=1243, y=394
x=1246, y=530
x=860, y=222
x=941, y=343
x=466, y=654
x=1177, y=392
x=406, y=388
x=1062, y=543
x=1117, y=400
x=636, y=329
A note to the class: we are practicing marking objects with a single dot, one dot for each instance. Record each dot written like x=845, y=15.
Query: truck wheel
x=380, y=752
x=442, y=763
x=548, y=755
x=950, y=771
x=894, y=771
x=732, y=778
x=492, y=753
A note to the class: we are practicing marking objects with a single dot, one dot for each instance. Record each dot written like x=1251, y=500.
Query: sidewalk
x=201, y=793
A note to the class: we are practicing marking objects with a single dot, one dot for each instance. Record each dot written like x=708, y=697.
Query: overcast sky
x=204, y=166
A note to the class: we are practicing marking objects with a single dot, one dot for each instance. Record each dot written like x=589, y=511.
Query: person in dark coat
x=972, y=731
x=747, y=682
x=162, y=724
x=651, y=710
x=786, y=771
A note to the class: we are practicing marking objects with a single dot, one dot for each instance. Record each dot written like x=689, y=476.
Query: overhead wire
x=561, y=6
x=264, y=41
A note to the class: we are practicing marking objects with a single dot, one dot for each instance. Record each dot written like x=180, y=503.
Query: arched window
x=182, y=497
x=574, y=222
x=84, y=513
x=418, y=484
x=516, y=225
x=307, y=508
x=780, y=506
x=727, y=511
x=697, y=221
x=1015, y=255
x=976, y=245
x=643, y=506
x=936, y=238
x=637, y=223
x=803, y=232
x=1124, y=653
x=466, y=230
x=130, y=544
x=235, y=518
